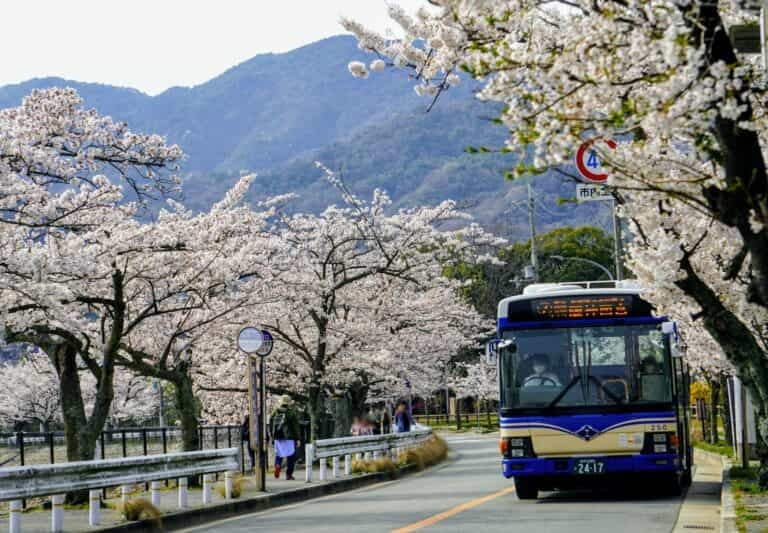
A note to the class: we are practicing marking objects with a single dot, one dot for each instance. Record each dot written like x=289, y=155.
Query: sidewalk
x=76, y=520
x=702, y=507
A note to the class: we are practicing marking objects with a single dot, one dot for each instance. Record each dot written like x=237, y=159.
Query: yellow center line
x=466, y=506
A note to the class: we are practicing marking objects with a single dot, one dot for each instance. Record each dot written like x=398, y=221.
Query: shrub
x=430, y=453
x=237, y=487
x=383, y=464
x=141, y=509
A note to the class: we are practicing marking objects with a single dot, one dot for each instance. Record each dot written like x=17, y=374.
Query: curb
x=210, y=513
x=727, y=503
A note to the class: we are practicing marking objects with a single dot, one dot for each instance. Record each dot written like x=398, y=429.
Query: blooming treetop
x=662, y=78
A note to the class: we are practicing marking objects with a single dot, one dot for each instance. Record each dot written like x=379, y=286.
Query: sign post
x=589, y=167
x=257, y=343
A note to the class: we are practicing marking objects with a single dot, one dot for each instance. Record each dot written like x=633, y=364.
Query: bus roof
x=575, y=288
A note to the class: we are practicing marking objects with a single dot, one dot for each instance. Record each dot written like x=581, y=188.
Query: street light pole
x=532, y=226
x=616, y=240
x=583, y=260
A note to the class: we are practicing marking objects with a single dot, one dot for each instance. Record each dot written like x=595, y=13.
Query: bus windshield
x=585, y=366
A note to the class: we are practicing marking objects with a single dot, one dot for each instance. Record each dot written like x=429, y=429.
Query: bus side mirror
x=670, y=328
x=492, y=352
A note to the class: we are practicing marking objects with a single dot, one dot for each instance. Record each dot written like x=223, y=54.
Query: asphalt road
x=467, y=493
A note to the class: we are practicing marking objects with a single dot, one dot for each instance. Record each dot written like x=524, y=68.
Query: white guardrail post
x=155, y=492
x=308, y=461
x=336, y=467
x=182, y=492
x=57, y=513
x=347, y=465
x=228, y=485
x=207, y=480
x=94, y=507
x=14, y=521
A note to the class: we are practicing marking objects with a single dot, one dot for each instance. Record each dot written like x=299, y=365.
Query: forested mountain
x=276, y=114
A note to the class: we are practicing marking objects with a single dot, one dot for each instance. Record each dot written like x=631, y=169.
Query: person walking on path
x=245, y=436
x=284, y=428
x=403, y=418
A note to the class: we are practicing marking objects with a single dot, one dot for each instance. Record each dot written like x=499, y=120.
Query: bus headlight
x=516, y=447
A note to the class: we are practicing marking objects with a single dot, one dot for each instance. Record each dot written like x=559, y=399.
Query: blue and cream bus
x=592, y=389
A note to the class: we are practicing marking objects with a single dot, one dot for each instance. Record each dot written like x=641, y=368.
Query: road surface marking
x=466, y=506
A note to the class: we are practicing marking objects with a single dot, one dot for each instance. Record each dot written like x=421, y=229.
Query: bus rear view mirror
x=495, y=346
x=670, y=328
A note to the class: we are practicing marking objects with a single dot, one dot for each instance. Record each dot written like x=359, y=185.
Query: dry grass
x=431, y=453
x=238, y=483
x=383, y=464
x=141, y=509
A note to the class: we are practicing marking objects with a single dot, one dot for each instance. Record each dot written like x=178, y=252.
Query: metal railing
x=54, y=480
x=366, y=447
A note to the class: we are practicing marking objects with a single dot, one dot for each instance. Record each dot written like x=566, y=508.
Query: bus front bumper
x=564, y=466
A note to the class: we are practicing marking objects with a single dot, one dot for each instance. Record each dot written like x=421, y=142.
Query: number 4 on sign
x=592, y=161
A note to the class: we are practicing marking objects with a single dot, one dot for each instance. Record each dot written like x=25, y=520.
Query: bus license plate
x=588, y=466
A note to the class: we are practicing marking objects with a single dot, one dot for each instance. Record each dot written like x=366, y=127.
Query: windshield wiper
x=563, y=392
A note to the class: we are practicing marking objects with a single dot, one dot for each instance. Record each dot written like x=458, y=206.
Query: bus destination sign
x=578, y=307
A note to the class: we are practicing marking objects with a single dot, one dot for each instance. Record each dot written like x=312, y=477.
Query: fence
x=54, y=480
x=31, y=448
x=365, y=446
x=466, y=417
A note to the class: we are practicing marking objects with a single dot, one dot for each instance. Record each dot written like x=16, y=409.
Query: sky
x=152, y=45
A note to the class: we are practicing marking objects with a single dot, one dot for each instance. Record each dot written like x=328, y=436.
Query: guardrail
x=55, y=480
x=364, y=446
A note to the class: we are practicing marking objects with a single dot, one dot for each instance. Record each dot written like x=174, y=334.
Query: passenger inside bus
x=541, y=376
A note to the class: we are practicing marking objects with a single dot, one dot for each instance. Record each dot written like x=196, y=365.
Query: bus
x=593, y=390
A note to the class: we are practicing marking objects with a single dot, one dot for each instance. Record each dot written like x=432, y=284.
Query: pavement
x=468, y=493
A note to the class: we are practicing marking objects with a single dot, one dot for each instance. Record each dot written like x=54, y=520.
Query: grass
x=373, y=466
x=744, y=483
x=141, y=509
x=721, y=448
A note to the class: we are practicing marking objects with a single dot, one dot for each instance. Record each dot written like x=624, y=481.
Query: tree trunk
x=458, y=413
x=714, y=402
x=314, y=407
x=188, y=407
x=488, y=412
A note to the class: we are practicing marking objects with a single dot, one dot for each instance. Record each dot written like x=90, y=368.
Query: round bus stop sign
x=588, y=161
x=250, y=340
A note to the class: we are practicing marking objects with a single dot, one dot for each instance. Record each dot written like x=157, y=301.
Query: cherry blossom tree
x=31, y=392
x=35, y=396
x=68, y=241
x=477, y=380
x=356, y=302
x=220, y=272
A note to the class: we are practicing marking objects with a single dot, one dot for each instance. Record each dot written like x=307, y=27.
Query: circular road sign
x=588, y=161
x=266, y=343
x=250, y=340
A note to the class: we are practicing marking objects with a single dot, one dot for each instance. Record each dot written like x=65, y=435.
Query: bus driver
x=541, y=377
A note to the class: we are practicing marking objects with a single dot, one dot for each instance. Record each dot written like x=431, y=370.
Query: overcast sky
x=155, y=44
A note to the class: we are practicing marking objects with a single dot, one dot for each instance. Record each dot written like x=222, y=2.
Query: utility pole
x=532, y=225
x=617, y=251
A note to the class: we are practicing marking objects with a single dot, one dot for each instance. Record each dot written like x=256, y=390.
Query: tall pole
x=262, y=427
x=532, y=225
x=617, y=253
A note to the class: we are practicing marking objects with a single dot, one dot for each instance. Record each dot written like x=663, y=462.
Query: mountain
x=276, y=114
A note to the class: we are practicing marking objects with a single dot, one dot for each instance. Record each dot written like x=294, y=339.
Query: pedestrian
x=403, y=418
x=284, y=428
x=245, y=436
x=361, y=427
